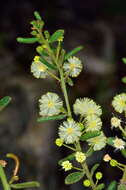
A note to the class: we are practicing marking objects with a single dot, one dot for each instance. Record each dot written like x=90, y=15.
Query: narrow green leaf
x=74, y=51
x=25, y=185
x=112, y=185
x=37, y=15
x=74, y=177
x=124, y=79
x=89, y=135
x=47, y=64
x=56, y=35
x=4, y=102
x=69, y=157
x=123, y=152
x=100, y=186
x=110, y=141
x=94, y=168
x=56, y=117
x=27, y=40
x=124, y=60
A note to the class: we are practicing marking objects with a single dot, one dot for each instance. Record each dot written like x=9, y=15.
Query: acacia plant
x=52, y=60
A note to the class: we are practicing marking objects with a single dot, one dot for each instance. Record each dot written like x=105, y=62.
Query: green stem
x=4, y=179
x=53, y=76
x=55, y=59
x=85, y=167
x=122, y=130
x=87, y=172
x=69, y=147
x=79, y=169
x=63, y=86
x=123, y=180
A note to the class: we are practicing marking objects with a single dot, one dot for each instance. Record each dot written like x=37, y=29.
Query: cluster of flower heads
x=80, y=157
x=119, y=105
x=71, y=68
x=91, y=113
x=71, y=131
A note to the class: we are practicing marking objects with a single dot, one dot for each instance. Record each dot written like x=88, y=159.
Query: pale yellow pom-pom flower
x=118, y=143
x=80, y=157
x=115, y=122
x=66, y=165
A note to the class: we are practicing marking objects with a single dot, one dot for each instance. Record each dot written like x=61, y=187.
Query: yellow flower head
x=98, y=142
x=86, y=183
x=86, y=106
x=98, y=175
x=73, y=67
x=115, y=122
x=80, y=157
x=69, y=131
x=36, y=58
x=66, y=165
x=59, y=142
x=119, y=102
x=93, y=123
x=118, y=143
x=50, y=104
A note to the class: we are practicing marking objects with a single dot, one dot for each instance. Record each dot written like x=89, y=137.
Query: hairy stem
x=63, y=86
x=85, y=167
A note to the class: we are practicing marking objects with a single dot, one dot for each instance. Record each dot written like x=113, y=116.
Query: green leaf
x=89, y=135
x=124, y=60
x=25, y=185
x=74, y=177
x=27, y=40
x=124, y=79
x=74, y=51
x=69, y=81
x=50, y=66
x=123, y=152
x=94, y=168
x=100, y=186
x=56, y=117
x=69, y=157
x=37, y=15
x=4, y=102
x=110, y=141
x=112, y=185
x=56, y=35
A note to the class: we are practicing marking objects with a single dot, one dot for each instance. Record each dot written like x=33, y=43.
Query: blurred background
x=100, y=26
